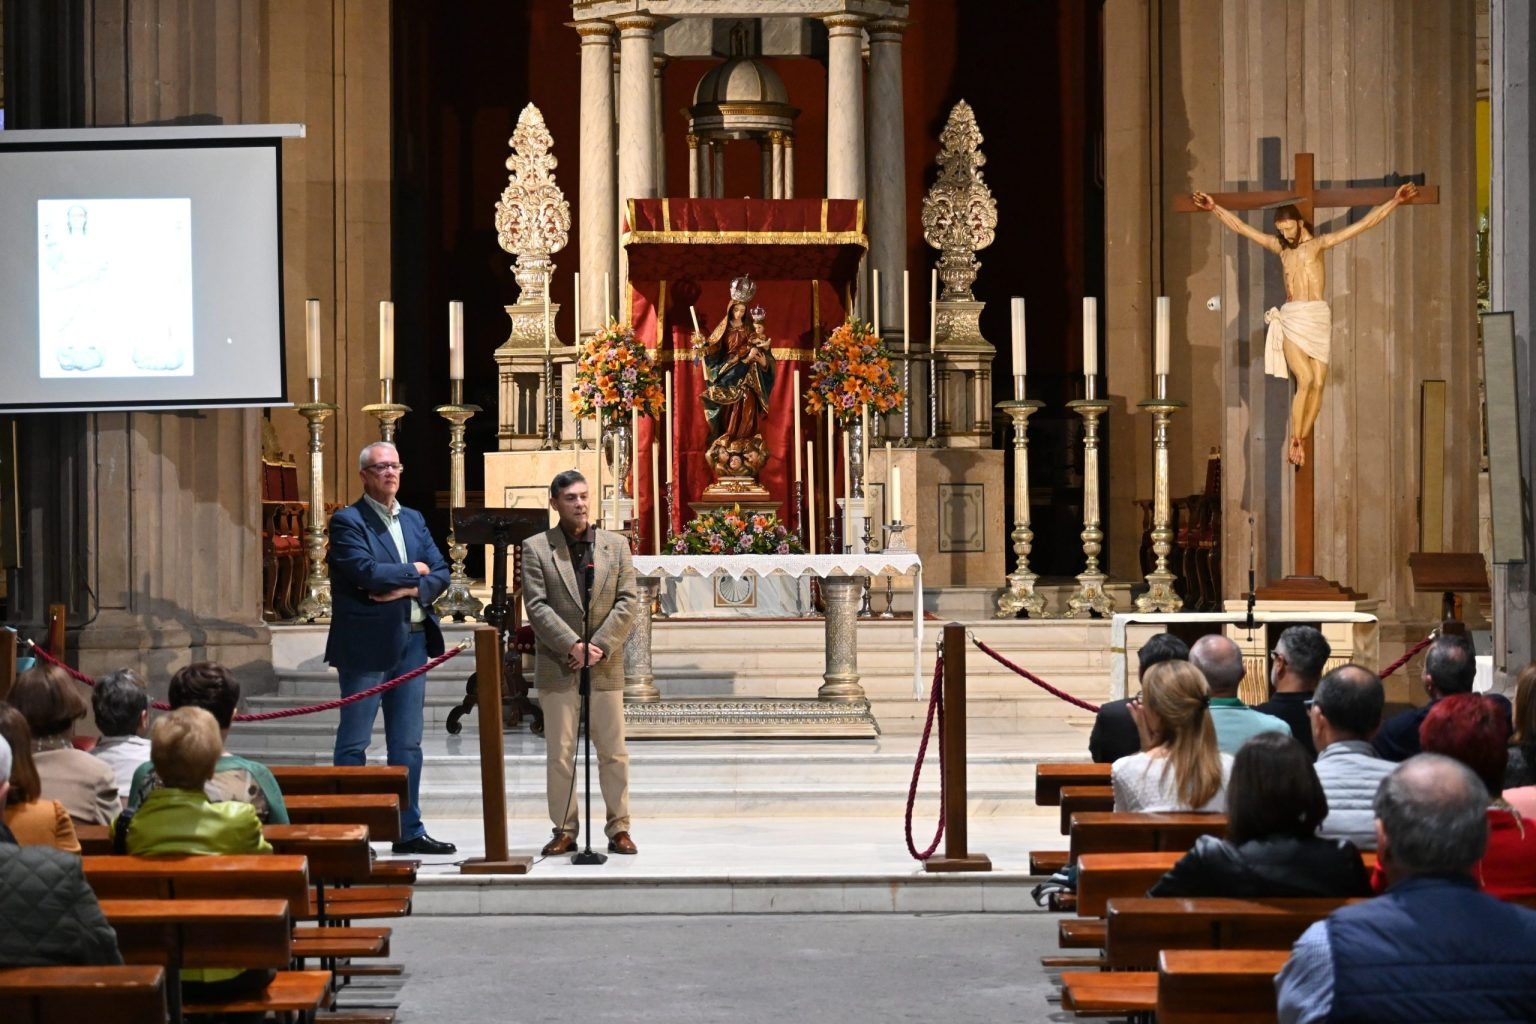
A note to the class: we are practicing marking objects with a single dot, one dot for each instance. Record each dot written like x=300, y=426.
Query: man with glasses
x=385, y=573
x=1296, y=664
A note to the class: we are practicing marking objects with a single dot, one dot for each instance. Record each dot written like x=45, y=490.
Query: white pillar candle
x=634, y=457
x=808, y=526
x=607, y=299
x=1017, y=308
x=906, y=312
x=386, y=340
x=455, y=340
x=864, y=440
x=1090, y=336
x=847, y=470
x=831, y=466
x=546, y=312
x=695, y=314
x=794, y=416
x=1160, y=351
x=576, y=309
x=312, y=337
x=888, y=468
x=895, y=494
x=933, y=312
x=671, y=432
x=655, y=501
x=874, y=297
x=596, y=499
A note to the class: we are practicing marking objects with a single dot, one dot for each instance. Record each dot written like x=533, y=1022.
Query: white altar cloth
x=870, y=563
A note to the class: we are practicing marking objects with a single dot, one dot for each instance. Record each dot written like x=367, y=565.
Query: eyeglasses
x=384, y=467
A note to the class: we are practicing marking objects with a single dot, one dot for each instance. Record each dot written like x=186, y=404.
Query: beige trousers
x=566, y=757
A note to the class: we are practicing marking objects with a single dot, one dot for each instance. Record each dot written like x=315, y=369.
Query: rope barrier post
x=7, y=662
x=493, y=772
x=956, y=856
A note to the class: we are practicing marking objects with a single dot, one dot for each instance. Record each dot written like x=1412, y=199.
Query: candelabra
x=1160, y=595
x=894, y=542
x=456, y=600
x=933, y=402
x=1089, y=597
x=865, y=611
x=386, y=410
x=1020, y=594
x=799, y=511
x=906, y=401
x=549, y=404
x=317, y=585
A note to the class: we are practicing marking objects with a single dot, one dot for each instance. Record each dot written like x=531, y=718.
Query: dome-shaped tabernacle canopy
x=740, y=80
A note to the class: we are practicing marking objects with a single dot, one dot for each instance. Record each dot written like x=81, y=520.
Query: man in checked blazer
x=554, y=578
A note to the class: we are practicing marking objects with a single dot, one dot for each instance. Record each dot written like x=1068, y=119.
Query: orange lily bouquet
x=852, y=369
x=614, y=374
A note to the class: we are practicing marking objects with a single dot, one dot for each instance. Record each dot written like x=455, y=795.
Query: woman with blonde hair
x=1179, y=767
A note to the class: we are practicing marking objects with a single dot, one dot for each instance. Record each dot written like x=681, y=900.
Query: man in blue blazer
x=385, y=573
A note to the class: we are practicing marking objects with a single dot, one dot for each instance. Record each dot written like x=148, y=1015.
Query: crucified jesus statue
x=1300, y=332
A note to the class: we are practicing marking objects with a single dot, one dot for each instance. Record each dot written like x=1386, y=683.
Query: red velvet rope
x=308, y=709
x=1406, y=658
x=935, y=710
x=1047, y=687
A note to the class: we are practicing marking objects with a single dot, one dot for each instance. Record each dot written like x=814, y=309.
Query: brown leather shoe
x=621, y=843
x=563, y=842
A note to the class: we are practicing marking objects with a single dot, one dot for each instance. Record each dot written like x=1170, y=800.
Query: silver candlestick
x=317, y=585
x=933, y=402
x=799, y=512
x=906, y=401
x=1160, y=595
x=1020, y=594
x=456, y=601
x=1090, y=597
x=865, y=611
x=550, y=444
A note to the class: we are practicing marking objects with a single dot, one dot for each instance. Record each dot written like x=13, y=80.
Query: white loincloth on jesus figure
x=1307, y=325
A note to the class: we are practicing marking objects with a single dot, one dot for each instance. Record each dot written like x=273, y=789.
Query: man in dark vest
x=1433, y=948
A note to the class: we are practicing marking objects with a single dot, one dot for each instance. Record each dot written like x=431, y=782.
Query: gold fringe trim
x=746, y=238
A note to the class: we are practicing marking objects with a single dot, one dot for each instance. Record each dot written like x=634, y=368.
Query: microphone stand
x=1253, y=560
x=588, y=855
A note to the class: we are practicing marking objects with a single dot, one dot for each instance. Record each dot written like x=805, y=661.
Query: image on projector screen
x=114, y=287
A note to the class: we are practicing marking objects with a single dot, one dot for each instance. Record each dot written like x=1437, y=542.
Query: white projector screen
x=141, y=269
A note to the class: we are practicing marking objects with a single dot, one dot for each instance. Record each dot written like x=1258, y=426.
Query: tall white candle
x=455, y=340
x=655, y=501
x=634, y=455
x=864, y=440
x=933, y=312
x=596, y=499
x=576, y=309
x=794, y=416
x=847, y=470
x=1017, y=308
x=1160, y=351
x=607, y=299
x=831, y=467
x=895, y=494
x=906, y=312
x=546, y=312
x=1090, y=337
x=387, y=340
x=312, y=337
x=671, y=431
x=695, y=314
x=809, y=524
x=874, y=298
x=888, y=468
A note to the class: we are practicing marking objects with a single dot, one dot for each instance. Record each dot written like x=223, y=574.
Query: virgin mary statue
x=738, y=384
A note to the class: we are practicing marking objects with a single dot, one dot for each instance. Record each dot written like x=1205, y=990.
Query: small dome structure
x=740, y=99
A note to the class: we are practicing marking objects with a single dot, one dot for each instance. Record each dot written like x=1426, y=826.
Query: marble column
x=717, y=175
x=777, y=139
x=658, y=70
x=693, y=166
x=789, y=167
x=887, y=172
x=637, y=125
x=845, y=107
x=597, y=217
x=765, y=158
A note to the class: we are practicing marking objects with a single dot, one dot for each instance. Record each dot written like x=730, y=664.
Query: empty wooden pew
x=1050, y=778
x=1227, y=986
x=70, y=995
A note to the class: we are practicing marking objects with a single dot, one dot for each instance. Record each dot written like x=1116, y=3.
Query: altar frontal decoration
x=852, y=369
x=731, y=530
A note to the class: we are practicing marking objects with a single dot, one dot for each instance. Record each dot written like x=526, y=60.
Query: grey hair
x=362, y=456
x=119, y=701
x=1306, y=649
x=1434, y=810
x=1452, y=663
x=1220, y=660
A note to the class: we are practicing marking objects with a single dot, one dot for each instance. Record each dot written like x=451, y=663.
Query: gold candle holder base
x=1019, y=597
x=316, y=604
x=457, y=601
x=1160, y=595
x=1090, y=597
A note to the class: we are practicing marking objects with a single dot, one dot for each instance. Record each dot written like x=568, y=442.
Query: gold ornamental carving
x=959, y=213
x=533, y=219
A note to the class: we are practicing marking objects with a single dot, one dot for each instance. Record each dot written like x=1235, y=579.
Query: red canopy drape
x=804, y=255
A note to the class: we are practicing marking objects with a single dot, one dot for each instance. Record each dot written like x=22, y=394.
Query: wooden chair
x=1227, y=986
x=70, y=995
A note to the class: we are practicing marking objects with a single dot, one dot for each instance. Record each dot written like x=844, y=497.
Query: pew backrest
x=1139, y=928
x=202, y=933
x=1128, y=832
x=202, y=877
x=1051, y=777
x=69, y=995
x=324, y=780
x=1228, y=986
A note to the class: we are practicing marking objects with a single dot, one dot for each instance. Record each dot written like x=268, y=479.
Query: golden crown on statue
x=743, y=288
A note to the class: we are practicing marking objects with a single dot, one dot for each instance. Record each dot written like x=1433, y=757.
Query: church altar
x=842, y=590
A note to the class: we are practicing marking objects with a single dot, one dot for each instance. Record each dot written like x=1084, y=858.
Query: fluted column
x=777, y=139
x=789, y=167
x=887, y=214
x=598, y=218
x=637, y=123
x=845, y=107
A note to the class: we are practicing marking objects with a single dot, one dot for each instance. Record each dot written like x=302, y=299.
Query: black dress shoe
x=424, y=844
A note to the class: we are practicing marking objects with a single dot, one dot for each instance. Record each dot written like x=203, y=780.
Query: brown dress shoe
x=621, y=843
x=563, y=842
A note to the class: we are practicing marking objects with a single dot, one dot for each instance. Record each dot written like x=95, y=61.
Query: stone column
x=887, y=174
x=717, y=176
x=789, y=167
x=777, y=138
x=637, y=125
x=597, y=217
x=841, y=679
x=845, y=107
x=639, y=676
x=693, y=166
x=765, y=158
x=658, y=69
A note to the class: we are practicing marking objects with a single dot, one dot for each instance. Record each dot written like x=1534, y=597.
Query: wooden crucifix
x=1300, y=332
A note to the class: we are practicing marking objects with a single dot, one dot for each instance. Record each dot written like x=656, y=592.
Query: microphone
x=1253, y=561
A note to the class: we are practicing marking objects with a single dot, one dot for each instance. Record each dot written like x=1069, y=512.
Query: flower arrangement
x=732, y=531
x=852, y=368
x=614, y=374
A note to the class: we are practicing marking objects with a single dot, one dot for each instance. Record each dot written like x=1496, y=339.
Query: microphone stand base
x=589, y=856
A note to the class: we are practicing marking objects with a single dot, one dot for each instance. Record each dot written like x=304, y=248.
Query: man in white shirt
x=120, y=703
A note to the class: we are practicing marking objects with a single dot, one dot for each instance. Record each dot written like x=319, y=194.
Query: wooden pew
x=1140, y=927
x=95, y=840
x=1127, y=832
x=256, y=876
x=1228, y=986
x=379, y=811
x=71, y=995
x=1050, y=778
x=331, y=780
x=1079, y=799
x=1104, y=876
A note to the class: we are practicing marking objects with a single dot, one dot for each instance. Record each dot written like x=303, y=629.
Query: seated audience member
x=1295, y=665
x=1114, y=733
x=1433, y=948
x=50, y=701
x=51, y=915
x=178, y=817
x=1471, y=727
x=33, y=822
x=1274, y=805
x=1346, y=711
x=1521, y=771
x=1221, y=662
x=1179, y=767
x=211, y=687
x=121, y=705
x=1450, y=667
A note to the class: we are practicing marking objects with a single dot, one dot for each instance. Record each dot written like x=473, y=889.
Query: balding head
x=1220, y=660
x=1431, y=818
x=1348, y=701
